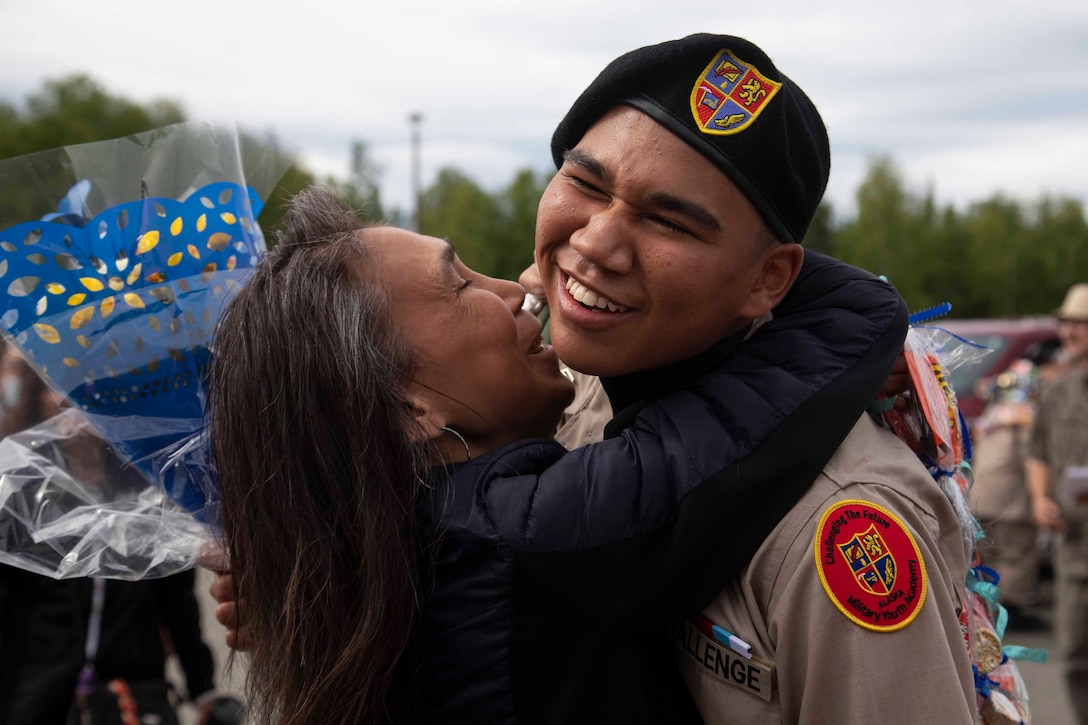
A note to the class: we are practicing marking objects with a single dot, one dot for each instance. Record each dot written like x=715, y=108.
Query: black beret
x=724, y=97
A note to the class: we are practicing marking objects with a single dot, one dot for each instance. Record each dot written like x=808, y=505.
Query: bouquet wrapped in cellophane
x=116, y=259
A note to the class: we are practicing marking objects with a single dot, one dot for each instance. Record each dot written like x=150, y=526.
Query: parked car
x=1035, y=338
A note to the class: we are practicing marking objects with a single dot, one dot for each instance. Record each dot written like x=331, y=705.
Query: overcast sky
x=970, y=98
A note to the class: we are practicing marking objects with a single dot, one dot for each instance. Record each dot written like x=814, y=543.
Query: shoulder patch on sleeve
x=870, y=566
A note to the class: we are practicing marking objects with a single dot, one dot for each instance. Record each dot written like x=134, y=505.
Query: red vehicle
x=1035, y=338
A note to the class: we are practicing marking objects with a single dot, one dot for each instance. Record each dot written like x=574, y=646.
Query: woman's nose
x=511, y=292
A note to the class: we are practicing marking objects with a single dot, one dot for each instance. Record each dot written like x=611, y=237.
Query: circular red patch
x=870, y=565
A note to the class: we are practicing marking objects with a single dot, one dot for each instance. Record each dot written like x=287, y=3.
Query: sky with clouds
x=969, y=98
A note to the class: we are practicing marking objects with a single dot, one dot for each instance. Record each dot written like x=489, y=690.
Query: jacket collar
x=631, y=393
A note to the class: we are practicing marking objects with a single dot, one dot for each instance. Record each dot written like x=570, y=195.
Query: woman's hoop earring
x=451, y=431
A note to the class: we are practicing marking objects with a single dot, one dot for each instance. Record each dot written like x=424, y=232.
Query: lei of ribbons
x=934, y=428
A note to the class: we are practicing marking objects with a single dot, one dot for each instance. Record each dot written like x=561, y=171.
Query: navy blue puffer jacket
x=557, y=572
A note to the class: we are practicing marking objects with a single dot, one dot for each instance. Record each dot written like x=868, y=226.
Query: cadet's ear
x=779, y=266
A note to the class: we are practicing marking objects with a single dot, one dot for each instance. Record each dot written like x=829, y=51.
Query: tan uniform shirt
x=811, y=663
x=584, y=420
x=1000, y=490
x=1059, y=437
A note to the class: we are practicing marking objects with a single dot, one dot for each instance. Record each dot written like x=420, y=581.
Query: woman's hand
x=226, y=613
x=214, y=559
x=898, y=379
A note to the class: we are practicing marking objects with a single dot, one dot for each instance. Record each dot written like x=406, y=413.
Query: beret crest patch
x=726, y=99
x=729, y=94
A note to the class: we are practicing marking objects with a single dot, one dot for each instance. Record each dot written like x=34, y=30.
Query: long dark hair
x=318, y=474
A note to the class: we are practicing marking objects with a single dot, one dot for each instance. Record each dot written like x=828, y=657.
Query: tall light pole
x=415, y=119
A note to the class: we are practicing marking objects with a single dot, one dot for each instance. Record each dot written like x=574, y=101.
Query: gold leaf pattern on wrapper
x=47, y=333
x=218, y=241
x=81, y=317
x=147, y=241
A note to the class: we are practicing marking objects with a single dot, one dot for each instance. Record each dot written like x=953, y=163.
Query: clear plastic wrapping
x=116, y=259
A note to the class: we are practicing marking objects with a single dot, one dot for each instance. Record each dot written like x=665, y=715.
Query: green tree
x=889, y=235
x=361, y=189
x=821, y=233
x=1060, y=241
x=493, y=233
x=456, y=208
x=78, y=110
x=266, y=152
x=998, y=237
x=518, y=203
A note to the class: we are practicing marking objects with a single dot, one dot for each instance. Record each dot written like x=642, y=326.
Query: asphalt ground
x=1049, y=702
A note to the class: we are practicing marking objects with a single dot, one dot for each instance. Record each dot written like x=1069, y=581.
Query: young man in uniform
x=848, y=611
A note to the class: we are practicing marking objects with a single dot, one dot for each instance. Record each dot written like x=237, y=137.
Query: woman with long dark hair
x=406, y=542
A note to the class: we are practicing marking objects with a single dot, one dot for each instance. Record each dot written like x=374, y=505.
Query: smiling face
x=648, y=253
x=480, y=367
x=1074, y=338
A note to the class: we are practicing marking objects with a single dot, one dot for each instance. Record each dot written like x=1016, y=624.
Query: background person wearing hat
x=687, y=170
x=1058, y=480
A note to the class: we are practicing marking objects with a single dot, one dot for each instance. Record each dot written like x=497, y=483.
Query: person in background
x=999, y=496
x=1058, y=482
x=44, y=622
